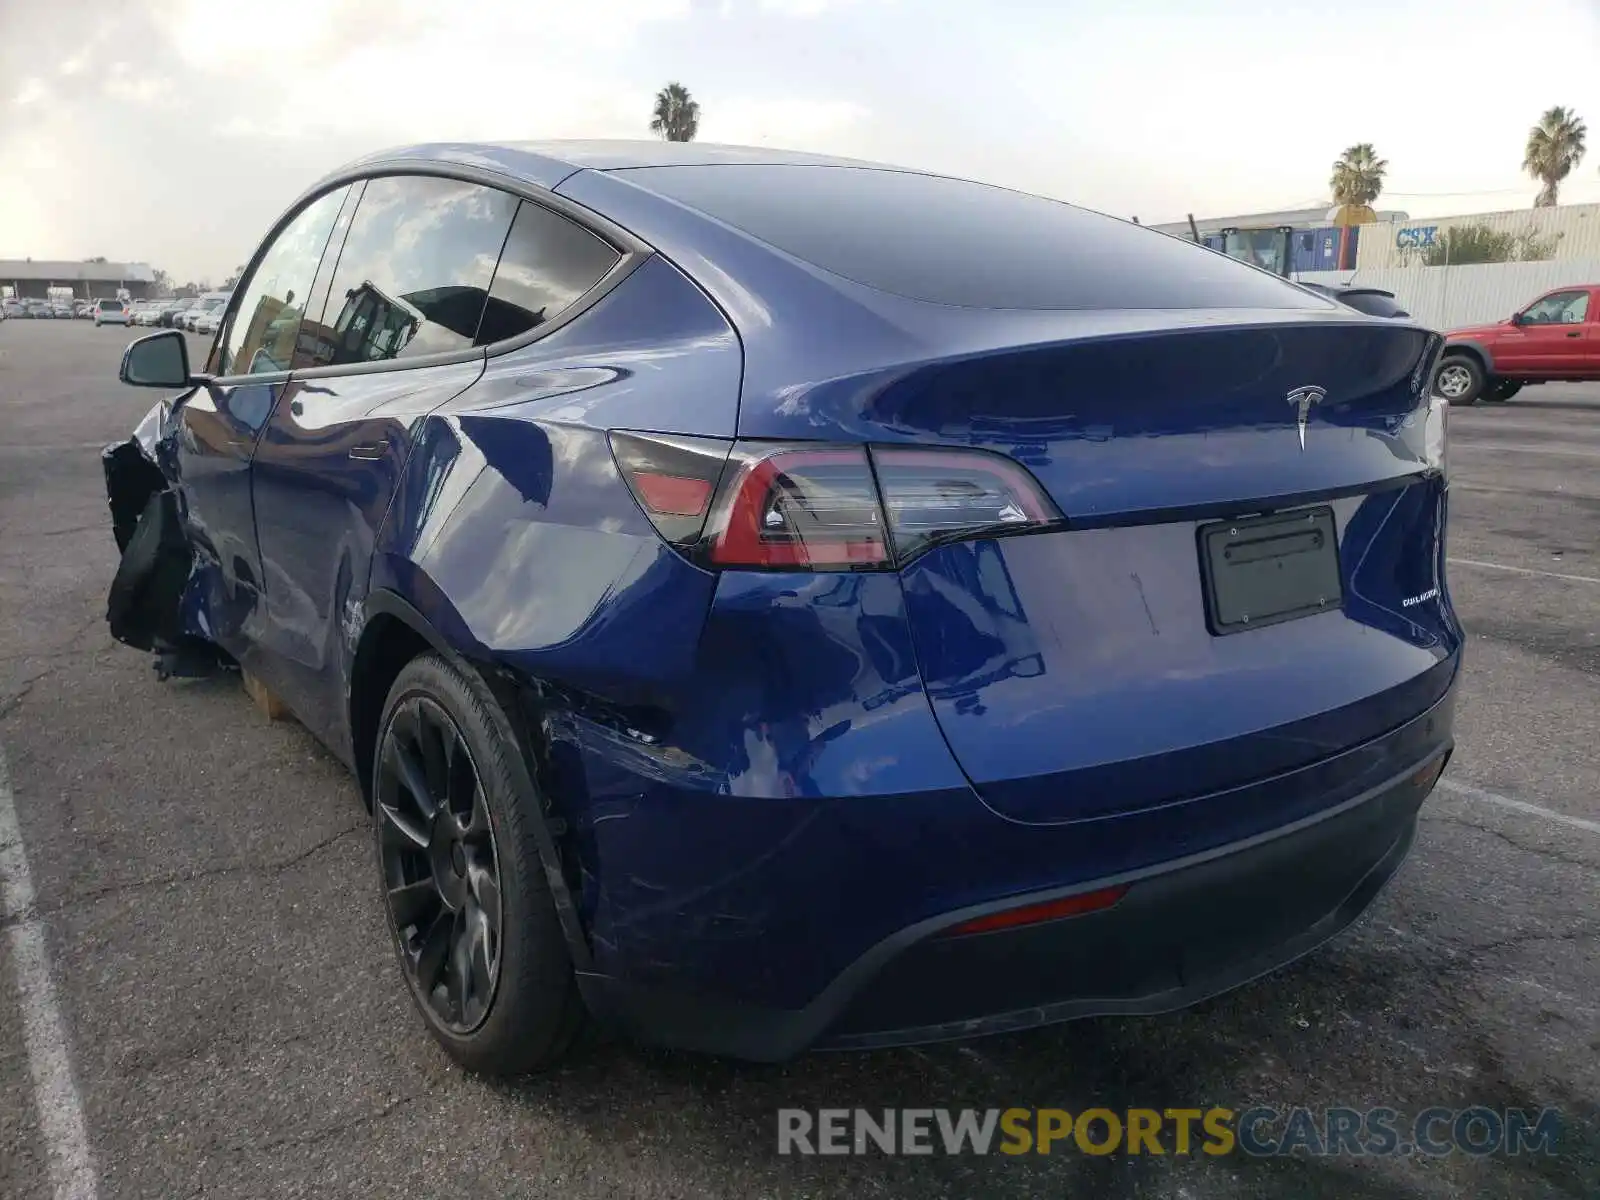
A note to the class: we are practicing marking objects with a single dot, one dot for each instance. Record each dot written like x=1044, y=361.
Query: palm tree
x=1555, y=146
x=676, y=116
x=1358, y=175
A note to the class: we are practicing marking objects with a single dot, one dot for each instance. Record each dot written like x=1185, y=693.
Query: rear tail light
x=936, y=495
x=798, y=506
x=808, y=506
x=673, y=479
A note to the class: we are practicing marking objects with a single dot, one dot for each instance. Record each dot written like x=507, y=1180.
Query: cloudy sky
x=174, y=132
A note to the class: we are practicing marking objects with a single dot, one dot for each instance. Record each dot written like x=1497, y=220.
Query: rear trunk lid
x=1167, y=642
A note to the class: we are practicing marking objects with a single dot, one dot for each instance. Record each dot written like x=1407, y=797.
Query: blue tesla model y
x=773, y=601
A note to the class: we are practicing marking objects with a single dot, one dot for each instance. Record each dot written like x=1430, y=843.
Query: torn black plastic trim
x=144, y=605
x=131, y=480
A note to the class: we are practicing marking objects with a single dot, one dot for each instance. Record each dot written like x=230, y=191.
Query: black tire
x=1459, y=380
x=1501, y=390
x=531, y=1012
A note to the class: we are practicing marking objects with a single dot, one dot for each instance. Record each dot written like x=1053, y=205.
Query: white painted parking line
x=1469, y=792
x=55, y=1095
x=1489, y=566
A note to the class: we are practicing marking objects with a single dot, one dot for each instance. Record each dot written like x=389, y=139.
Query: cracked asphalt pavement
x=236, y=1027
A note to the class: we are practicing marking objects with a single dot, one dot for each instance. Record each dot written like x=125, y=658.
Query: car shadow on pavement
x=1309, y=1036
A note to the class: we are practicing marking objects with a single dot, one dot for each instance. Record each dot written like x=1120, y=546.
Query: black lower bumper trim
x=1159, y=950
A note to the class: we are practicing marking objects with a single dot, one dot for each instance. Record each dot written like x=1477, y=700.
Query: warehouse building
x=32, y=279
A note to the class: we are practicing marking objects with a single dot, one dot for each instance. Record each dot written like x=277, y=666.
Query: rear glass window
x=111, y=305
x=953, y=242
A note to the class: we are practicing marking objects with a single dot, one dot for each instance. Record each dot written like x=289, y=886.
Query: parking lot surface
x=221, y=985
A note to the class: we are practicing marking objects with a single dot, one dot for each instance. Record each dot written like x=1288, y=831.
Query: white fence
x=1571, y=231
x=1447, y=297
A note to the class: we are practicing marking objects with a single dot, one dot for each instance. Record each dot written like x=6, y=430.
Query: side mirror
x=158, y=360
x=1520, y=318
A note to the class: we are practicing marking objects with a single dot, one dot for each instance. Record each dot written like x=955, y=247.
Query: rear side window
x=949, y=241
x=414, y=271
x=547, y=264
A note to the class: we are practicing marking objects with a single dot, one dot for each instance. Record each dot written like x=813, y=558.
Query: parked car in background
x=208, y=320
x=61, y=310
x=13, y=309
x=40, y=310
x=82, y=308
x=772, y=601
x=147, y=312
x=110, y=312
x=210, y=304
x=1554, y=339
x=170, y=308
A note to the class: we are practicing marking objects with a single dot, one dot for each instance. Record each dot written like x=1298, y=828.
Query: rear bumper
x=1179, y=935
x=1185, y=930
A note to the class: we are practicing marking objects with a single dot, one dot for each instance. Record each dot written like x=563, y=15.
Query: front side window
x=548, y=262
x=414, y=272
x=261, y=338
x=1563, y=308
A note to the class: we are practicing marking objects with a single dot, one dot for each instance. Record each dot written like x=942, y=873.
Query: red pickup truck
x=1557, y=337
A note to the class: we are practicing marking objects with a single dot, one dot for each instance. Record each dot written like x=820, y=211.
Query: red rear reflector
x=1429, y=774
x=673, y=495
x=1049, y=910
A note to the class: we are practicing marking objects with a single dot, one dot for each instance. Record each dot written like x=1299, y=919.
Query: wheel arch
x=396, y=632
x=1472, y=349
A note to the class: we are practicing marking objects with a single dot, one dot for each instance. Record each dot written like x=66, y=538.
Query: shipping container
x=1315, y=249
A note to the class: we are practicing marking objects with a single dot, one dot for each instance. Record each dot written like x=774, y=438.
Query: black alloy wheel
x=474, y=924
x=440, y=865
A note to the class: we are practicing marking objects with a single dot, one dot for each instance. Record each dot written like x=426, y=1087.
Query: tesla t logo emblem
x=1303, y=398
